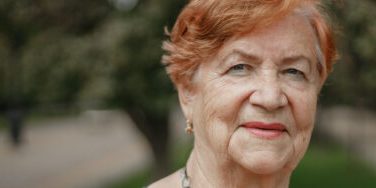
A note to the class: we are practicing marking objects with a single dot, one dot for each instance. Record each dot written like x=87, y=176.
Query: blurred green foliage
x=353, y=81
x=90, y=53
x=328, y=167
x=2, y=123
x=46, y=52
x=138, y=179
x=142, y=178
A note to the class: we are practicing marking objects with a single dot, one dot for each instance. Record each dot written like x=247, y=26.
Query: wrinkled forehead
x=292, y=34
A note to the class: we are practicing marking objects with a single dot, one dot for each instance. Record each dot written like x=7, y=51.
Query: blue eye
x=295, y=73
x=240, y=69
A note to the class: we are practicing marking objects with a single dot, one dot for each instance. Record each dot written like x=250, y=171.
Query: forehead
x=290, y=36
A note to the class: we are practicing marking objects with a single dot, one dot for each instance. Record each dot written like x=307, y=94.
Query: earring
x=189, y=128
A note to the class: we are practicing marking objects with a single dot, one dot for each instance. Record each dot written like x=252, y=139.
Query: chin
x=264, y=163
x=259, y=156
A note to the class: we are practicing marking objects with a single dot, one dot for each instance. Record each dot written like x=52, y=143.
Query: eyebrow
x=243, y=54
x=296, y=58
x=255, y=58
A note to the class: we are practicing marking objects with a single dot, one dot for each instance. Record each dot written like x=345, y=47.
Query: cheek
x=304, y=110
x=216, y=113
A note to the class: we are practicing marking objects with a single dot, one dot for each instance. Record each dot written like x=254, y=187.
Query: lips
x=265, y=130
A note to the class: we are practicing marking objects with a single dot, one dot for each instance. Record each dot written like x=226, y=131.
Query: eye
x=297, y=74
x=240, y=69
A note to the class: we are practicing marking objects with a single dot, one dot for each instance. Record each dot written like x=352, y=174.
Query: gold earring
x=189, y=128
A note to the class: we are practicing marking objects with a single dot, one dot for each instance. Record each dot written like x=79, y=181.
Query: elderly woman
x=248, y=74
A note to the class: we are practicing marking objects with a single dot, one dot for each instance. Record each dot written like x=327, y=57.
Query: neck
x=207, y=170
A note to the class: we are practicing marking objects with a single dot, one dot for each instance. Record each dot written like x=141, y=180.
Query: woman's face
x=254, y=102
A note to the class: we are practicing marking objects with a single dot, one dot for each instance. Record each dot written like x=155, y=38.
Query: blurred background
x=85, y=102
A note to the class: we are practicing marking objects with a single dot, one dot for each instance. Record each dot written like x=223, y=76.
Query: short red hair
x=204, y=26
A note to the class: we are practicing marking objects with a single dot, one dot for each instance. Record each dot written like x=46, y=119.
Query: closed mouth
x=265, y=130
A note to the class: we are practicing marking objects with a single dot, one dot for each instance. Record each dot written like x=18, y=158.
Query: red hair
x=204, y=26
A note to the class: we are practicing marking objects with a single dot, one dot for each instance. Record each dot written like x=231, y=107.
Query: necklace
x=184, y=178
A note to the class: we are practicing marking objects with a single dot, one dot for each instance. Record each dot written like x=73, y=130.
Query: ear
x=186, y=99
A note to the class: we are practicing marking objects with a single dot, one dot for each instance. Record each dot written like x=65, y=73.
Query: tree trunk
x=156, y=132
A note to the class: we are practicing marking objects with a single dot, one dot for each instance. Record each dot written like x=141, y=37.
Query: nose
x=269, y=95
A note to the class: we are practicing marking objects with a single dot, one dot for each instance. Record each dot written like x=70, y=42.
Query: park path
x=76, y=152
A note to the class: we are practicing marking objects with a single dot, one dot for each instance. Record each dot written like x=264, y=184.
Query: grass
x=3, y=123
x=137, y=180
x=332, y=167
x=142, y=178
x=322, y=167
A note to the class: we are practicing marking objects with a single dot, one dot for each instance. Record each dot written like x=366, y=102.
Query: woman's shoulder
x=173, y=181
